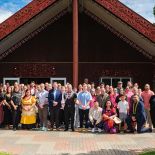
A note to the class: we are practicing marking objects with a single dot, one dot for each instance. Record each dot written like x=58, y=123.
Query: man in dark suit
x=54, y=99
x=69, y=109
x=137, y=115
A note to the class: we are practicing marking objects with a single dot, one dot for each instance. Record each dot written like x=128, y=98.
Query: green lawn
x=148, y=153
x=3, y=153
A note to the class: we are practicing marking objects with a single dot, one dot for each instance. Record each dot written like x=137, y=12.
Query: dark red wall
x=96, y=44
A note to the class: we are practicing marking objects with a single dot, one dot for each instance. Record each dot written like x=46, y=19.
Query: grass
x=4, y=153
x=148, y=153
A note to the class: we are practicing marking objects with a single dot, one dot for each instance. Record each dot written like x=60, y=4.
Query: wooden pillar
x=75, y=43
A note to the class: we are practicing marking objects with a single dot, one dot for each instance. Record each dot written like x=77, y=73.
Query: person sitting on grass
x=95, y=117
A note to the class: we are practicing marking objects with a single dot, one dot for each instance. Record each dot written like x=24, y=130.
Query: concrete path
x=69, y=143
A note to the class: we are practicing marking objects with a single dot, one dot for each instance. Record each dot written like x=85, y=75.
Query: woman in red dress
x=109, y=113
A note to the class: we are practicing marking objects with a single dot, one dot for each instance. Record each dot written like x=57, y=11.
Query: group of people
x=101, y=109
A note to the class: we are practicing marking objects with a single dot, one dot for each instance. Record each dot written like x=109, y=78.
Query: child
x=123, y=108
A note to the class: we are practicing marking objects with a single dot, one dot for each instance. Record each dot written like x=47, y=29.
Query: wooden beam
x=75, y=43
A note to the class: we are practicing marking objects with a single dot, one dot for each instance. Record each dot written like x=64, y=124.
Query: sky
x=9, y=7
x=142, y=7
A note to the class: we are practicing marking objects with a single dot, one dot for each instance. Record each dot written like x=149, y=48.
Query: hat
x=117, y=120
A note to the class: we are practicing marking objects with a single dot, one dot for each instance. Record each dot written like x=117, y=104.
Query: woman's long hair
x=26, y=92
x=7, y=90
x=105, y=106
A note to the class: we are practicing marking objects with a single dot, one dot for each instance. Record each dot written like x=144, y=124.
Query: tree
x=154, y=10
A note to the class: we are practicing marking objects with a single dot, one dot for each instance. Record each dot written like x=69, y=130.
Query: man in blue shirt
x=84, y=99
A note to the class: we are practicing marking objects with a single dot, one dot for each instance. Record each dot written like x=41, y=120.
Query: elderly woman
x=28, y=118
x=95, y=117
x=109, y=113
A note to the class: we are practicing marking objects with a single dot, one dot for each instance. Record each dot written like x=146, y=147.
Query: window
x=11, y=81
x=114, y=80
x=59, y=80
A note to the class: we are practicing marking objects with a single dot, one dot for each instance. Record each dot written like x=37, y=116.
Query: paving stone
x=73, y=143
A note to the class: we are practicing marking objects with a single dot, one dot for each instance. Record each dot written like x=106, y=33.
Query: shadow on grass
x=116, y=152
x=101, y=152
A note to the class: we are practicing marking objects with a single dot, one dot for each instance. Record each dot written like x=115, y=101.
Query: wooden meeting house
x=102, y=40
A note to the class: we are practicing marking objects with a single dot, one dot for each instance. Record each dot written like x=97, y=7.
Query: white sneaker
x=99, y=130
x=44, y=129
x=93, y=130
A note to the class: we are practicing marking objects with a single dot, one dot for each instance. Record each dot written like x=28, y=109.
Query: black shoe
x=66, y=130
x=128, y=131
x=150, y=129
x=73, y=129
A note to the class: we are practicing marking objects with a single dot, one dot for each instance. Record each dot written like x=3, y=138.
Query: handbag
x=117, y=120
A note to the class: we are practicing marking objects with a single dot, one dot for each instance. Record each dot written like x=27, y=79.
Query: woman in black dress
x=7, y=108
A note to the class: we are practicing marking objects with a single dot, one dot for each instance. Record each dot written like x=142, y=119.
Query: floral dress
x=109, y=124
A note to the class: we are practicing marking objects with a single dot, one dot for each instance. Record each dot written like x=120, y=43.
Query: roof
x=112, y=14
x=117, y=8
x=130, y=17
x=23, y=15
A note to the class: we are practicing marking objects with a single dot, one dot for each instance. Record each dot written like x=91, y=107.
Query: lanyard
x=135, y=108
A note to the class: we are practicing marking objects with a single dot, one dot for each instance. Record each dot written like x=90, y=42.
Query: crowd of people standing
x=101, y=108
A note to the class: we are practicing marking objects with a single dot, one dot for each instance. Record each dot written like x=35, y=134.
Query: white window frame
x=11, y=78
x=58, y=78
x=115, y=77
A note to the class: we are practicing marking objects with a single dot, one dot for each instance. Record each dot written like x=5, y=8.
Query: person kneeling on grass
x=138, y=116
x=95, y=117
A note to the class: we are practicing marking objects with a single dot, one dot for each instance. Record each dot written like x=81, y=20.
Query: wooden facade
x=92, y=48
x=101, y=53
